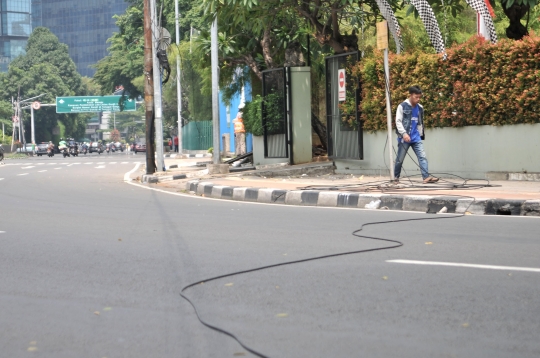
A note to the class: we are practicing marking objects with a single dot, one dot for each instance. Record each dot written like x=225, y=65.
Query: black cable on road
x=395, y=244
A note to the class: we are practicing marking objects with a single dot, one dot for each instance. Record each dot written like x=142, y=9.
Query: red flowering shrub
x=478, y=84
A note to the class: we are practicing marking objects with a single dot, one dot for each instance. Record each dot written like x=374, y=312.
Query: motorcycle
x=84, y=149
x=50, y=151
x=73, y=150
x=65, y=152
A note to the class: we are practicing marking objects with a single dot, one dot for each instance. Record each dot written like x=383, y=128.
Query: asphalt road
x=91, y=266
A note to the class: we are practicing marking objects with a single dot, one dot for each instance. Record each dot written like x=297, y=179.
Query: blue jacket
x=404, y=119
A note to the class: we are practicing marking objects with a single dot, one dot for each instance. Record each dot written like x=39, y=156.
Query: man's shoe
x=430, y=179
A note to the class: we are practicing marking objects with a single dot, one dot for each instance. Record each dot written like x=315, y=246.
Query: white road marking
x=42, y=171
x=41, y=164
x=100, y=167
x=1, y=178
x=454, y=264
x=101, y=163
x=30, y=167
x=112, y=163
x=57, y=168
x=126, y=176
x=89, y=163
x=51, y=163
x=125, y=163
x=22, y=174
x=2, y=232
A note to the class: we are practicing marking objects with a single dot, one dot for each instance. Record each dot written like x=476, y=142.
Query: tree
x=45, y=68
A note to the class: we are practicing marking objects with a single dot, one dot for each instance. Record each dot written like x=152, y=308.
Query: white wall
x=469, y=152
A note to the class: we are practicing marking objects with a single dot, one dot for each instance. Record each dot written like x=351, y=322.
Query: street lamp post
x=33, y=132
x=178, y=82
x=215, y=90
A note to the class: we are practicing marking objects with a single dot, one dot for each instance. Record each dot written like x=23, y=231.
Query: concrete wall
x=469, y=152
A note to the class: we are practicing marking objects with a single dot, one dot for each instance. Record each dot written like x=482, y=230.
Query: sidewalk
x=315, y=185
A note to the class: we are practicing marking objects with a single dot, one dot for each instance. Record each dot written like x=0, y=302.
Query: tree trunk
x=320, y=130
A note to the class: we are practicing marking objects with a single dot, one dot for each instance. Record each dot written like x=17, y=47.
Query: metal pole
x=178, y=82
x=388, y=112
x=19, y=120
x=158, y=111
x=114, y=119
x=148, y=91
x=32, y=124
x=215, y=91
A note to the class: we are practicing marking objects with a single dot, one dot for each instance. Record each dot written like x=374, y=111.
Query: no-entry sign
x=36, y=105
x=342, y=93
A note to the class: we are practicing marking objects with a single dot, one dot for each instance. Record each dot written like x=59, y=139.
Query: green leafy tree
x=45, y=68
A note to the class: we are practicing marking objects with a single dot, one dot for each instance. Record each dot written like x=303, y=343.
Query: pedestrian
x=176, y=144
x=171, y=148
x=410, y=131
x=239, y=135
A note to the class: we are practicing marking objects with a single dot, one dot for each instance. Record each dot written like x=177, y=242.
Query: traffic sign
x=342, y=93
x=36, y=105
x=83, y=104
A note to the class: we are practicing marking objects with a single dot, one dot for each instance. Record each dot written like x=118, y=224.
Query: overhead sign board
x=83, y=104
x=342, y=93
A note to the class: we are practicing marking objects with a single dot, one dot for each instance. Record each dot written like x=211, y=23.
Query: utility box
x=300, y=82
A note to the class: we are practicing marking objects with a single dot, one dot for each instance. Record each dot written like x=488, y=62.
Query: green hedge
x=479, y=84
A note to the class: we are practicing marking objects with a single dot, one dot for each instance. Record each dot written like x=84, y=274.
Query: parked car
x=139, y=147
x=41, y=148
x=95, y=147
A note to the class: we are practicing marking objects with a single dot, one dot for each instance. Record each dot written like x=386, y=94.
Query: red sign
x=15, y=119
x=36, y=105
x=342, y=93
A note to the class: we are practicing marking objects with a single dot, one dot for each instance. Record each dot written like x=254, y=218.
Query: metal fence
x=274, y=113
x=197, y=135
x=344, y=127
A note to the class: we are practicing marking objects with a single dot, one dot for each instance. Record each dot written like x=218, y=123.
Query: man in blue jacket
x=410, y=131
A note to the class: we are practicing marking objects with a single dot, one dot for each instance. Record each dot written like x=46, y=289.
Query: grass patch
x=15, y=156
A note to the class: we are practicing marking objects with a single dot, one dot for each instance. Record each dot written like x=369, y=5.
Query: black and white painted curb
x=183, y=156
x=420, y=203
x=153, y=179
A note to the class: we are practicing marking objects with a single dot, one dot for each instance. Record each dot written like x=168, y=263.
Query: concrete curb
x=419, y=203
x=185, y=156
x=153, y=179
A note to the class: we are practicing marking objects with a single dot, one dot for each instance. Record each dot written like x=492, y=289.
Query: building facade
x=84, y=26
x=15, y=28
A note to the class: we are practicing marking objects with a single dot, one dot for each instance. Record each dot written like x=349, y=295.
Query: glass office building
x=15, y=28
x=84, y=26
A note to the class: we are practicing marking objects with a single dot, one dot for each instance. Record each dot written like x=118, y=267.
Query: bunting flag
x=481, y=8
x=430, y=23
x=393, y=25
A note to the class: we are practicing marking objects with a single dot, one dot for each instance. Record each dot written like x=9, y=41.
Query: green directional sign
x=82, y=104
